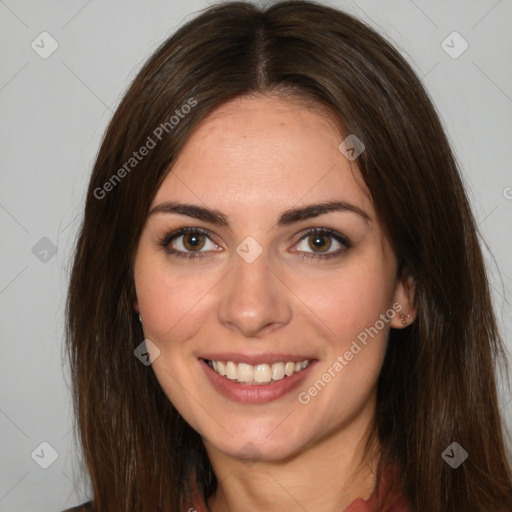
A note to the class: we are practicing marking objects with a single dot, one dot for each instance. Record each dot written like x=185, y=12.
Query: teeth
x=277, y=371
x=231, y=370
x=245, y=372
x=260, y=373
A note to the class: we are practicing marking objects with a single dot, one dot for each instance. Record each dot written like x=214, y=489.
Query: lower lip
x=255, y=394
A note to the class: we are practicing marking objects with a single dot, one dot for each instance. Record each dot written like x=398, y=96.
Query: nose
x=254, y=299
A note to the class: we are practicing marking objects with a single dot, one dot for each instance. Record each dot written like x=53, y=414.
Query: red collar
x=398, y=504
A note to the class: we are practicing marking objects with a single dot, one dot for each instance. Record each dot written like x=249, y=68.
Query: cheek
x=172, y=304
x=349, y=301
x=351, y=306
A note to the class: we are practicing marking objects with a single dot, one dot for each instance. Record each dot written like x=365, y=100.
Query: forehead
x=264, y=153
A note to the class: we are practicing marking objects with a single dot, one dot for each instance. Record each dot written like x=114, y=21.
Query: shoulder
x=84, y=507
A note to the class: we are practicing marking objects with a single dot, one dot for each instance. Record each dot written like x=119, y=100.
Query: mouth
x=259, y=374
x=256, y=380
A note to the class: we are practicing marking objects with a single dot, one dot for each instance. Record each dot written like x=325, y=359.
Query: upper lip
x=256, y=358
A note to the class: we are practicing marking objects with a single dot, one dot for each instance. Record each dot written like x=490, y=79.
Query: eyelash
x=167, y=238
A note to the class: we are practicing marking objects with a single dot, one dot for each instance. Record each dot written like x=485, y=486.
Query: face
x=237, y=274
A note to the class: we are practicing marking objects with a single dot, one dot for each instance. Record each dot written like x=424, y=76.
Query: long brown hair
x=438, y=383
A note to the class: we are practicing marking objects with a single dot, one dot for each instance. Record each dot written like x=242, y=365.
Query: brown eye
x=188, y=242
x=322, y=243
x=193, y=241
x=319, y=242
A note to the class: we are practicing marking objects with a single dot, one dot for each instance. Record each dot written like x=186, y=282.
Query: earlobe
x=406, y=318
x=404, y=299
x=137, y=310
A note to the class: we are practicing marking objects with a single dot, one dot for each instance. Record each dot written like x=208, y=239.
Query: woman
x=275, y=210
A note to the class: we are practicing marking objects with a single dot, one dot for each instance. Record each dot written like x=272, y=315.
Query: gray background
x=54, y=112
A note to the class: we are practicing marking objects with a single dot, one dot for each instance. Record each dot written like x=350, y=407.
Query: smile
x=258, y=374
x=256, y=379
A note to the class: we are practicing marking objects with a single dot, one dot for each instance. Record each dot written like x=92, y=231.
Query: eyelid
x=167, y=237
x=341, y=239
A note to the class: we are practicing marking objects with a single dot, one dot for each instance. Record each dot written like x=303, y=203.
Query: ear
x=136, y=307
x=403, y=302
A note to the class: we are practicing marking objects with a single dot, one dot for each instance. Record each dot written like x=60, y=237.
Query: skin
x=252, y=159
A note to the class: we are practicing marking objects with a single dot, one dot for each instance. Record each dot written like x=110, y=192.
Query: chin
x=260, y=442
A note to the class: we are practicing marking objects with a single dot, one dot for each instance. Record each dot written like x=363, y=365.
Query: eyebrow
x=287, y=218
